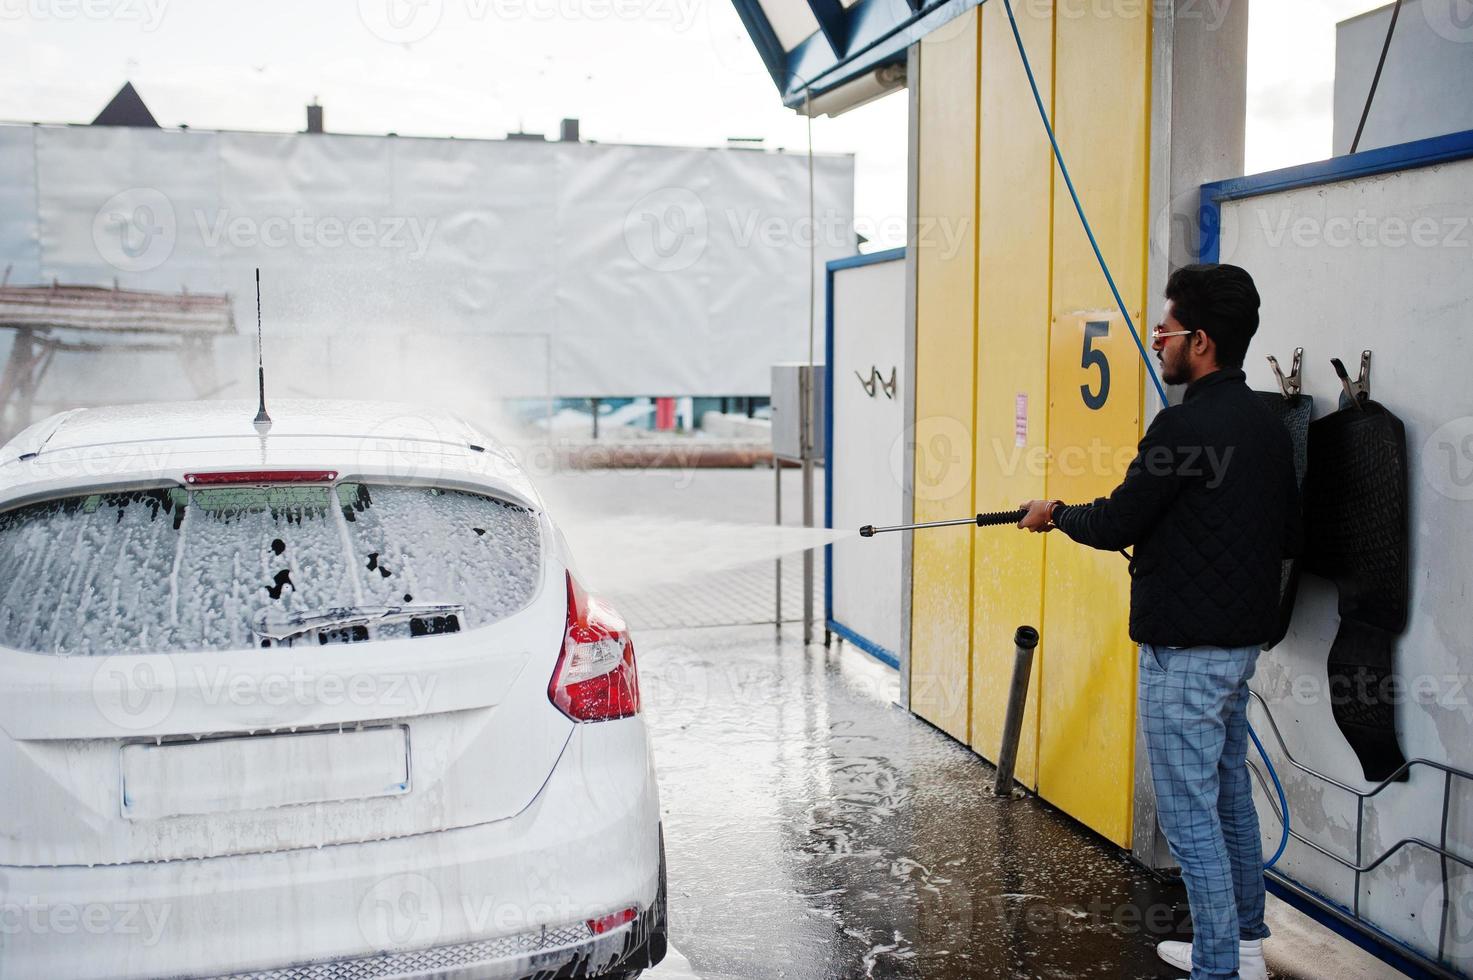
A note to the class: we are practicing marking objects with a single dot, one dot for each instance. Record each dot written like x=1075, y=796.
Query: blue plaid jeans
x=1194, y=706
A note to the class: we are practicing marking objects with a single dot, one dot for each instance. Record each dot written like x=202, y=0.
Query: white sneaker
x=1250, y=957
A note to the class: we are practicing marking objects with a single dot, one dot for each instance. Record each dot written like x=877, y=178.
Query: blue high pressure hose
x=1145, y=359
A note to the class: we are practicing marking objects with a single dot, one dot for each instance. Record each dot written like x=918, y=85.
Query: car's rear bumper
x=472, y=902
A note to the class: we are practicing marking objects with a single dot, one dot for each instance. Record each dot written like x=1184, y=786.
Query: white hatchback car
x=320, y=699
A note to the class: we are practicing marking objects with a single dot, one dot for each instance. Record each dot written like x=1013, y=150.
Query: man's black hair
x=1219, y=300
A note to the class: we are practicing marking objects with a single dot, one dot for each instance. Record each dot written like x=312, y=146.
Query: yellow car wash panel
x=1087, y=710
x=1087, y=704
x=1014, y=189
x=1087, y=730
x=946, y=267
x=1101, y=78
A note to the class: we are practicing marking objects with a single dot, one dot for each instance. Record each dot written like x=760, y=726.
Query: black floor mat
x=1355, y=495
x=1356, y=530
x=1295, y=414
x=1363, y=691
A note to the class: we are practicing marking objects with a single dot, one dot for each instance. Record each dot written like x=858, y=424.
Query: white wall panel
x=1380, y=263
x=1428, y=63
x=869, y=332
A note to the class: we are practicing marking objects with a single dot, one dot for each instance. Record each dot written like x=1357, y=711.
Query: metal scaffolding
x=52, y=319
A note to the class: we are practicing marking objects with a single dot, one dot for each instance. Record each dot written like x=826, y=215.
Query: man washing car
x=1210, y=507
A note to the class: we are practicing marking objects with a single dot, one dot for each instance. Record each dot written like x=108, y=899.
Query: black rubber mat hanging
x=1294, y=409
x=1356, y=530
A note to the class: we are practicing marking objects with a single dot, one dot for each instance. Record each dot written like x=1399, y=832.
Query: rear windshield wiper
x=270, y=624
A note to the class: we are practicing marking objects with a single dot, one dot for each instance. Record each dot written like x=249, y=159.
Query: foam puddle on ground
x=634, y=553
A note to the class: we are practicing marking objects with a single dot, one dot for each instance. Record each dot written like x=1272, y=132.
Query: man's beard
x=1174, y=370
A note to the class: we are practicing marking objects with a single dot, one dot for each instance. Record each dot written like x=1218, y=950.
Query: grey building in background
x=1426, y=87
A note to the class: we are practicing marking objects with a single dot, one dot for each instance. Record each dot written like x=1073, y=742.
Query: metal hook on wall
x=887, y=386
x=1357, y=392
x=1291, y=386
x=876, y=382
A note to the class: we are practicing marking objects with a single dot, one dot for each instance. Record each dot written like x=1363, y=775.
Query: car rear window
x=179, y=569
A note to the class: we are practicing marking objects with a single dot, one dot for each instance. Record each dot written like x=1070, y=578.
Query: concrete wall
x=1379, y=263
x=1426, y=88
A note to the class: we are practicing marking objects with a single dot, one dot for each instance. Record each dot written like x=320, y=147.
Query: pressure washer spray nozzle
x=992, y=519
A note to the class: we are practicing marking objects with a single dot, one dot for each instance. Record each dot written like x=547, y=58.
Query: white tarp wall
x=511, y=266
x=868, y=308
x=1381, y=263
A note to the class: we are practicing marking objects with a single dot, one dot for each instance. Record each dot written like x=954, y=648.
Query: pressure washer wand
x=992, y=519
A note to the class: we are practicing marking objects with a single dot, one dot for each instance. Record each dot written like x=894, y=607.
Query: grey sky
x=643, y=71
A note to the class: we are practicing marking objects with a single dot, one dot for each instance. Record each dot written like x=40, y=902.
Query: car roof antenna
x=263, y=421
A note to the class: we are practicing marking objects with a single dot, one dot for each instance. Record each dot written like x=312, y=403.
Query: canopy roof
x=826, y=56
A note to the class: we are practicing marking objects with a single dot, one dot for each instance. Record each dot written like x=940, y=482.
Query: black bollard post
x=1012, y=730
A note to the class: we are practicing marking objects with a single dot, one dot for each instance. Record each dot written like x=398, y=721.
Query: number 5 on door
x=1094, y=403
x=1094, y=357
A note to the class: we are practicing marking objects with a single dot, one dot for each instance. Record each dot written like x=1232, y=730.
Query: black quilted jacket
x=1210, y=507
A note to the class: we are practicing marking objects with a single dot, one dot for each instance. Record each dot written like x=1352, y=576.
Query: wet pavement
x=814, y=829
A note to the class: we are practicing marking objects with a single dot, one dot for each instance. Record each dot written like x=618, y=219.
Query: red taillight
x=608, y=923
x=595, y=678
x=239, y=477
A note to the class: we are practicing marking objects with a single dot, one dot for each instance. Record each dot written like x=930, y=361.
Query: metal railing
x=1357, y=866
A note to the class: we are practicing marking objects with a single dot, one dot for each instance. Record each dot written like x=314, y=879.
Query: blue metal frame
x=866, y=258
x=765, y=39
x=1367, y=163
x=865, y=643
x=884, y=656
x=833, y=23
x=849, y=42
